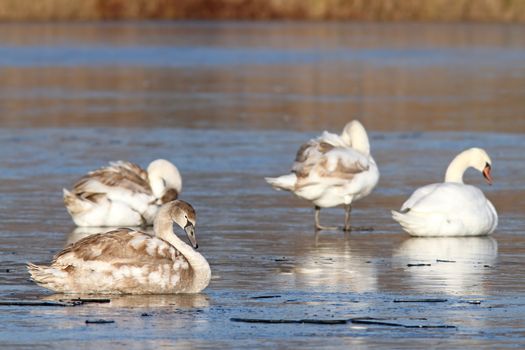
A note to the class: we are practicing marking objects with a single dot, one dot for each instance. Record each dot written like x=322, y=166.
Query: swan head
x=476, y=158
x=165, y=180
x=183, y=214
x=482, y=163
x=180, y=213
x=354, y=134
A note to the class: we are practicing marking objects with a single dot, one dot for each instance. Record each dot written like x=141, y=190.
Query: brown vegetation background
x=369, y=10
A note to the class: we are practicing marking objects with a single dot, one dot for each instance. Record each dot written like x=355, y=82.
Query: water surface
x=229, y=103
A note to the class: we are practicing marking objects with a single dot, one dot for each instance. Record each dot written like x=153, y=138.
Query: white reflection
x=333, y=263
x=82, y=232
x=457, y=264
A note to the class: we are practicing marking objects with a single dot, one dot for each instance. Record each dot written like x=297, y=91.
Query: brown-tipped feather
x=122, y=174
x=75, y=204
x=169, y=195
x=311, y=155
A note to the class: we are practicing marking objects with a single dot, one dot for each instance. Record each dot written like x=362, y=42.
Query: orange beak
x=486, y=174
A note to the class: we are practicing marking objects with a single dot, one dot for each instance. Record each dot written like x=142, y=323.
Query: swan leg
x=348, y=227
x=318, y=225
x=348, y=209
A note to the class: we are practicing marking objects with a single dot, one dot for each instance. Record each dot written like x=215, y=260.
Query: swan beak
x=486, y=174
x=190, y=231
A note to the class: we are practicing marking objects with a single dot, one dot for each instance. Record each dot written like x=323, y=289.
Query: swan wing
x=119, y=175
x=306, y=158
x=343, y=163
x=418, y=195
x=121, y=165
x=332, y=139
x=118, y=247
x=310, y=152
x=120, y=261
x=447, y=209
x=328, y=159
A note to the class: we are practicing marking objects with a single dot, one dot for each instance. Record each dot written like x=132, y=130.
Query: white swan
x=126, y=261
x=332, y=170
x=123, y=194
x=451, y=208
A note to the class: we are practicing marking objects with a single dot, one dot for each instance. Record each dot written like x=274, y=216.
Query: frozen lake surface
x=229, y=104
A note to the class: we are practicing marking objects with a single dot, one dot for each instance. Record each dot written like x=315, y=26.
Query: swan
x=332, y=170
x=451, y=208
x=123, y=194
x=126, y=261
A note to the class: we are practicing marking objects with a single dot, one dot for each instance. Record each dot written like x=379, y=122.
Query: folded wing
x=121, y=175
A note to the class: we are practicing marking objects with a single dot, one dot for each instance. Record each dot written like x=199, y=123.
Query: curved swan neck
x=355, y=135
x=163, y=174
x=163, y=228
x=457, y=168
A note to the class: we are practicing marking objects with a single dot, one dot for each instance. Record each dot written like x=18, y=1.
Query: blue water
x=229, y=103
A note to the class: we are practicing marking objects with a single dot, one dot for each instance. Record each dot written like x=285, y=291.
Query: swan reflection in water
x=81, y=232
x=457, y=264
x=333, y=262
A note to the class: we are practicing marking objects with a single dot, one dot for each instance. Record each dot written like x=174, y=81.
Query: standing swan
x=451, y=208
x=126, y=261
x=123, y=194
x=332, y=170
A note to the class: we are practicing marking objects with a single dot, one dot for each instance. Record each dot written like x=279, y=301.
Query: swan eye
x=487, y=165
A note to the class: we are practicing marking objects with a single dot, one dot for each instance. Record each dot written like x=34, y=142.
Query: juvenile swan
x=126, y=261
x=451, y=208
x=332, y=170
x=123, y=194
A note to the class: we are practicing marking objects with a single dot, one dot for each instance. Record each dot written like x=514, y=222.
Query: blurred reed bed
x=366, y=10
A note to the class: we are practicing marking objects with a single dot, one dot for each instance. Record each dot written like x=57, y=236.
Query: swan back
x=165, y=180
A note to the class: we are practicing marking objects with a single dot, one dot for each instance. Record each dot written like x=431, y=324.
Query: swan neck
x=163, y=228
x=457, y=168
x=358, y=140
x=363, y=145
x=157, y=185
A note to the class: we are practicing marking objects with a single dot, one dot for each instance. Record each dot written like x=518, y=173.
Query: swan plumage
x=451, y=208
x=123, y=194
x=332, y=170
x=127, y=261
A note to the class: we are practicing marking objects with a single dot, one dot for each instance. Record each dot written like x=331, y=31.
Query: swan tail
x=46, y=276
x=75, y=204
x=413, y=224
x=285, y=182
